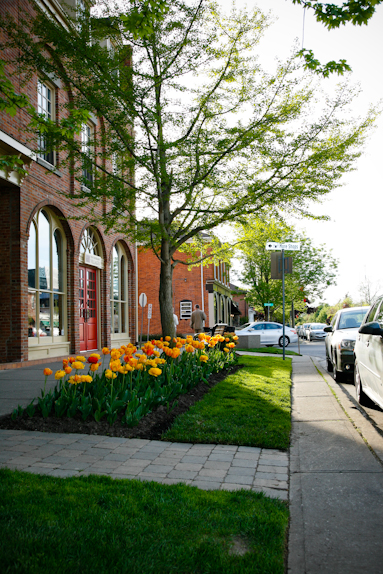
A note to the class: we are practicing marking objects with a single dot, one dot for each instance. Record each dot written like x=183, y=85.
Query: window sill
x=48, y=166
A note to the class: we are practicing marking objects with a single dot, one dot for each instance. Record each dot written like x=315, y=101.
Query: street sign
x=150, y=311
x=276, y=265
x=143, y=299
x=268, y=304
x=272, y=246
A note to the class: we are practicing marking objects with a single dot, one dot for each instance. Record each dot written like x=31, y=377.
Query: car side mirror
x=371, y=329
x=328, y=329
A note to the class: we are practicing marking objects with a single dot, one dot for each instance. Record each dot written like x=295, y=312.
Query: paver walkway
x=207, y=466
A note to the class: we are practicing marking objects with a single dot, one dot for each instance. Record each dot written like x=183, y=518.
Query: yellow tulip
x=155, y=372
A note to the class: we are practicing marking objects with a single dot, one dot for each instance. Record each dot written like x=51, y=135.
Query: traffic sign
x=143, y=299
x=150, y=310
x=272, y=246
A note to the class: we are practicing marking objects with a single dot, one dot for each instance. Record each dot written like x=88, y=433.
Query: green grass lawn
x=98, y=525
x=250, y=408
x=270, y=351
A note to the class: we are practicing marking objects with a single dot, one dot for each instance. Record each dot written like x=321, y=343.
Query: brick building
x=208, y=286
x=65, y=286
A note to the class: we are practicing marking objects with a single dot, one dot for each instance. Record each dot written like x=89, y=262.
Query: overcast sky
x=354, y=233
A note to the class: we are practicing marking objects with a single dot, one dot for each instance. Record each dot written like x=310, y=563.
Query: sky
x=353, y=233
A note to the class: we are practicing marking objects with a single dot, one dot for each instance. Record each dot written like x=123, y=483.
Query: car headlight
x=347, y=344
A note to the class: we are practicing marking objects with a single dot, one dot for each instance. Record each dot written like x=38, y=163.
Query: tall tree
x=314, y=268
x=210, y=136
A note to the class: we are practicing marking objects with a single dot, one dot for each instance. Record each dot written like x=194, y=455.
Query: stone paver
x=207, y=466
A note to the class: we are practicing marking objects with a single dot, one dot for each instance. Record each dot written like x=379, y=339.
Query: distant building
x=208, y=286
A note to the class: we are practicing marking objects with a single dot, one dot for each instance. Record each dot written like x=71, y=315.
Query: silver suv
x=340, y=340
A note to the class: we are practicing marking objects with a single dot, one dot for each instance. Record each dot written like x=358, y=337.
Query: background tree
x=208, y=134
x=369, y=290
x=314, y=268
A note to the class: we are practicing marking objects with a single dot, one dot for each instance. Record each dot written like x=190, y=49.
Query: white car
x=270, y=333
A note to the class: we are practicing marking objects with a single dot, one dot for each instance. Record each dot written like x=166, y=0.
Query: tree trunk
x=166, y=292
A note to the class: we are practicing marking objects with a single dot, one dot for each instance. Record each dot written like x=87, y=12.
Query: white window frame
x=46, y=106
x=87, y=148
x=40, y=339
x=123, y=293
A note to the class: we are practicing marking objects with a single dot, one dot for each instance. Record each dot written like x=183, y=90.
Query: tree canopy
x=209, y=135
x=314, y=268
x=355, y=12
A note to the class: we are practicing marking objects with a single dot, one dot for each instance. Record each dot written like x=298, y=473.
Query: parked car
x=368, y=354
x=303, y=330
x=270, y=333
x=340, y=340
x=315, y=331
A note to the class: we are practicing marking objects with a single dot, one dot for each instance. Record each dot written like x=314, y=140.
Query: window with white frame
x=87, y=142
x=118, y=291
x=46, y=279
x=46, y=108
x=186, y=309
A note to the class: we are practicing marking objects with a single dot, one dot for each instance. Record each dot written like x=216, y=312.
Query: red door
x=88, y=308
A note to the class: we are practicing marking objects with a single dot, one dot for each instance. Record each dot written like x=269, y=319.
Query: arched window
x=222, y=309
x=118, y=290
x=89, y=243
x=46, y=279
x=216, y=318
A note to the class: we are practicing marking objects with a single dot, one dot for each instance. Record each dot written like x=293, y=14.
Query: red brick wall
x=19, y=204
x=186, y=285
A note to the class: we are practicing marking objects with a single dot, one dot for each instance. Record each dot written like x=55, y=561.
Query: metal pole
x=283, y=297
x=142, y=326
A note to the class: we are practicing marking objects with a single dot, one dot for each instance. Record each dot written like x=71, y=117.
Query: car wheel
x=269, y=345
x=337, y=375
x=329, y=365
x=287, y=341
x=359, y=393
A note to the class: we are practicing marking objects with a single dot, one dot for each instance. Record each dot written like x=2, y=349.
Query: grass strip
x=250, y=408
x=97, y=524
x=269, y=351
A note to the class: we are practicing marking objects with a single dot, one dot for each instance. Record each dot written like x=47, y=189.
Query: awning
x=234, y=309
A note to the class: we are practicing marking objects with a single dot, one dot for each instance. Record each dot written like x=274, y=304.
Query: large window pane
x=122, y=279
x=58, y=315
x=123, y=317
x=57, y=262
x=32, y=257
x=44, y=242
x=115, y=274
x=116, y=317
x=45, y=315
x=32, y=331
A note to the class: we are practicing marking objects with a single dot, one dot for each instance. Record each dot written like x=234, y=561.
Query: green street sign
x=269, y=304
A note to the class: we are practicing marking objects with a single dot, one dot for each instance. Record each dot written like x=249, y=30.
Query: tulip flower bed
x=127, y=384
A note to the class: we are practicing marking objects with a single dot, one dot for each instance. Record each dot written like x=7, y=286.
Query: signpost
x=268, y=305
x=272, y=246
x=149, y=317
x=142, y=301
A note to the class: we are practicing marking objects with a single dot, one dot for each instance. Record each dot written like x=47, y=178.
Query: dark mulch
x=150, y=427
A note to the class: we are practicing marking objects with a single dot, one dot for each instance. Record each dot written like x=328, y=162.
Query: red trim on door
x=88, y=308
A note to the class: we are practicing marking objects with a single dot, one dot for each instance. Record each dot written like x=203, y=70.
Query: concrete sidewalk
x=336, y=480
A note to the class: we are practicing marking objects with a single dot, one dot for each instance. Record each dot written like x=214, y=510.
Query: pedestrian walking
x=197, y=319
x=175, y=320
